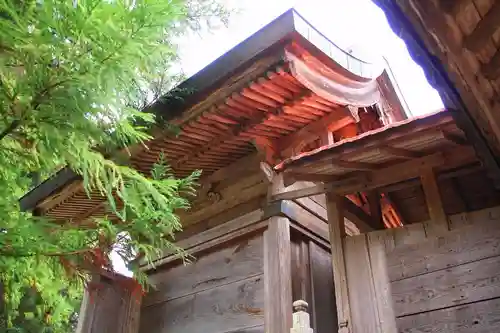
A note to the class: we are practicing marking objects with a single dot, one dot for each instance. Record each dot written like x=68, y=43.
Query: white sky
x=357, y=24
x=348, y=23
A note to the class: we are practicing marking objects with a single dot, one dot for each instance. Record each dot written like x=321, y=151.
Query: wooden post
x=439, y=221
x=109, y=307
x=277, y=276
x=335, y=211
x=301, y=322
x=375, y=209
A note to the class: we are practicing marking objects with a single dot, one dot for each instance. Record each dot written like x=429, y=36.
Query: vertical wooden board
x=277, y=276
x=239, y=261
x=86, y=314
x=335, y=211
x=458, y=247
x=482, y=317
x=462, y=284
x=361, y=293
x=108, y=311
x=226, y=308
x=382, y=286
x=300, y=272
x=323, y=293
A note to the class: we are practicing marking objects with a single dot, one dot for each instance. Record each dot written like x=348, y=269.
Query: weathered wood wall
x=219, y=291
x=448, y=282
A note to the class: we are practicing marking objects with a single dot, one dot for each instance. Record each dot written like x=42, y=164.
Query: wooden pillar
x=335, y=212
x=277, y=276
x=438, y=220
x=108, y=306
x=375, y=209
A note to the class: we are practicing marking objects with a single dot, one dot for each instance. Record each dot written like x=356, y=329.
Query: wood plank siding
x=449, y=282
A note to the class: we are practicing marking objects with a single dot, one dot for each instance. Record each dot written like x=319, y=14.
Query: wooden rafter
x=484, y=30
x=336, y=119
x=452, y=7
x=399, y=152
x=455, y=138
x=388, y=175
x=491, y=70
x=352, y=165
x=243, y=127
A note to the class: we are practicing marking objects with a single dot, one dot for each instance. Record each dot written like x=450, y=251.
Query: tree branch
x=12, y=127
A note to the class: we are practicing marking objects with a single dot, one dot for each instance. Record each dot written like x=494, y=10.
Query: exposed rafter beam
x=335, y=120
x=389, y=175
x=352, y=165
x=491, y=70
x=484, y=30
x=356, y=215
x=452, y=7
x=399, y=152
x=455, y=138
x=241, y=128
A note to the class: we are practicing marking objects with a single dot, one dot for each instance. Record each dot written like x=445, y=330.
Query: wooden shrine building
x=316, y=186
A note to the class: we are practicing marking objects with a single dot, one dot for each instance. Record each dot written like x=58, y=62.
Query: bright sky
x=348, y=23
x=357, y=24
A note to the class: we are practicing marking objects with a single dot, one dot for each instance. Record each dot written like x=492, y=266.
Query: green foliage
x=74, y=75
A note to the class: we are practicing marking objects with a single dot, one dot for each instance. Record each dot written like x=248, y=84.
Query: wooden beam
x=292, y=177
x=240, y=128
x=335, y=212
x=375, y=209
x=277, y=276
x=326, y=138
x=352, y=165
x=457, y=139
x=491, y=70
x=336, y=119
x=356, y=215
x=483, y=32
x=386, y=176
x=441, y=176
x=439, y=221
x=399, y=152
x=453, y=7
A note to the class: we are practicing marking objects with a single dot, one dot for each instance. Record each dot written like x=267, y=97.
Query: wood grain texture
x=323, y=291
x=458, y=285
x=109, y=308
x=306, y=219
x=439, y=222
x=482, y=317
x=335, y=212
x=277, y=276
x=460, y=246
x=383, y=300
x=237, y=262
x=203, y=238
x=364, y=316
x=227, y=308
